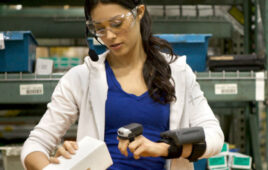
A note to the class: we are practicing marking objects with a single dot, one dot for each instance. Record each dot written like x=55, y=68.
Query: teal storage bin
x=200, y=164
x=194, y=46
x=19, y=52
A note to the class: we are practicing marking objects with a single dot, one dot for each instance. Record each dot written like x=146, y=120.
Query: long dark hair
x=156, y=69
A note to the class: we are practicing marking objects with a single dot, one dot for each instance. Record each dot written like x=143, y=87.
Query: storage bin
x=65, y=63
x=19, y=51
x=194, y=46
x=11, y=157
x=200, y=164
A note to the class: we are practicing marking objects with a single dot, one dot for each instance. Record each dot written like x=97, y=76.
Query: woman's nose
x=110, y=34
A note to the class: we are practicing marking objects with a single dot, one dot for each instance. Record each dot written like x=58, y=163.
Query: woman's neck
x=135, y=58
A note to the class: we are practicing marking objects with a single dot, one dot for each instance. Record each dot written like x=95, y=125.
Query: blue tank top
x=123, y=108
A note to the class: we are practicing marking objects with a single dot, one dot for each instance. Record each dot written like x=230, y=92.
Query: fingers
x=122, y=146
x=135, y=144
x=62, y=152
x=74, y=144
x=70, y=146
x=66, y=149
x=54, y=160
x=137, y=153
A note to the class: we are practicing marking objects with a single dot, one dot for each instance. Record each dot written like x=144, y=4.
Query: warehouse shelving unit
x=51, y=21
x=244, y=88
x=11, y=91
x=232, y=102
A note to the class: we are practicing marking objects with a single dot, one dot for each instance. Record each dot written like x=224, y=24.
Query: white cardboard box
x=92, y=154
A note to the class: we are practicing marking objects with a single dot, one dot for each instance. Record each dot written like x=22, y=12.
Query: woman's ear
x=141, y=10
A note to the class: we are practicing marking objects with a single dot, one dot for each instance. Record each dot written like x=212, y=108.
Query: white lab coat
x=81, y=93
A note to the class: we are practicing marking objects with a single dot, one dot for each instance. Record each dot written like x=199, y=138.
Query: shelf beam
x=245, y=82
x=149, y=2
x=49, y=23
x=218, y=27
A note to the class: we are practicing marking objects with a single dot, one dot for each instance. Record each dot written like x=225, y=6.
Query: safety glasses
x=118, y=24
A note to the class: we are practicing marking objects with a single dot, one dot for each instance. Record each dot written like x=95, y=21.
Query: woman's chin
x=118, y=53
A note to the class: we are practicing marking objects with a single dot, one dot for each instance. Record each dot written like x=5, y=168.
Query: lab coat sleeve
x=200, y=114
x=61, y=113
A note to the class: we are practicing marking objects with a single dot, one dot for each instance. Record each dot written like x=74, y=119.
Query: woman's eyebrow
x=112, y=18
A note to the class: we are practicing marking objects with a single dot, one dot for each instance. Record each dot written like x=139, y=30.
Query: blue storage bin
x=200, y=164
x=194, y=46
x=94, y=45
x=19, y=52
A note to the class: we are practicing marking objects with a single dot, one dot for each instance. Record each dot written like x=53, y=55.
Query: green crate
x=225, y=147
x=225, y=168
x=63, y=63
x=217, y=162
x=241, y=162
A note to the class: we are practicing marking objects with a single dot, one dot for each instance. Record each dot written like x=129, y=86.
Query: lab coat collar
x=98, y=90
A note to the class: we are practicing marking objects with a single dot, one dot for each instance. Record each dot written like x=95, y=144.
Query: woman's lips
x=116, y=46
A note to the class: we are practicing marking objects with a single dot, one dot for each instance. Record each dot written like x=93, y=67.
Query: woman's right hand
x=67, y=149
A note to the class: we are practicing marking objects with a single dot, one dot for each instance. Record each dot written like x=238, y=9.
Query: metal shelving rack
x=11, y=92
x=40, y=88
x=51, y=21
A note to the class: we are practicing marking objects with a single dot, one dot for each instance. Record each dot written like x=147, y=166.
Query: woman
x=131, y=82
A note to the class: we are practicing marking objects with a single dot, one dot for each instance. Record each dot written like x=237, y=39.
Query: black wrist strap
x=174, y=151
x=198, y=150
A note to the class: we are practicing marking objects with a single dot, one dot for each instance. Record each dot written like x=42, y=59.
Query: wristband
x=174, y=151
x=197, y=151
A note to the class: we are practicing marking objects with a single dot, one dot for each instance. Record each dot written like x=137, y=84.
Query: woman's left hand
x=142, y=146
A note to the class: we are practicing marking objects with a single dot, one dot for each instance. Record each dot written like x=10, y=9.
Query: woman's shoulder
x=179, y=68
x=76, y=73
x=179, y=62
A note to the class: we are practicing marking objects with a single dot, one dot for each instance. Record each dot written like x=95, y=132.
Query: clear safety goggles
x=118, y=24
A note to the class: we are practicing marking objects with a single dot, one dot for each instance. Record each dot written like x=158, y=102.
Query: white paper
x=31, y=89
x=2, y=41
x=260, y=86
x=226, y=89
x=44, y=66
x=92, y=154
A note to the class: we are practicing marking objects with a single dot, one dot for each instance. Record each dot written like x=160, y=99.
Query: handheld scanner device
x=185, y=135
x=130, y=131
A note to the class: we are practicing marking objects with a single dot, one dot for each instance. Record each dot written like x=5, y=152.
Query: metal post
x=247, y=26
x=264, y=7
x=255, y=144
